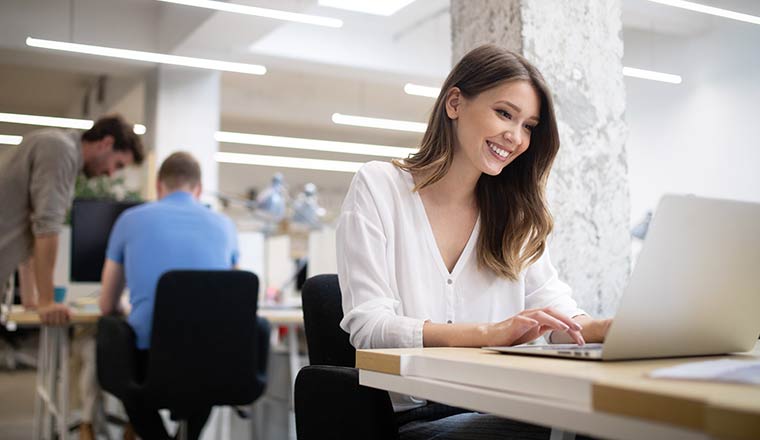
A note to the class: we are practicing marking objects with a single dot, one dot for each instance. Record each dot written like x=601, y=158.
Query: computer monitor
x=91, y=223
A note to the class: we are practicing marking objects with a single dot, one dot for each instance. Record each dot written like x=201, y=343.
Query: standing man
x=176, y=232
x=36, y=189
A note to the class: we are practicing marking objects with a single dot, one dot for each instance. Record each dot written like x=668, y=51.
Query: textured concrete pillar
x=182, y=113
x=577, y=46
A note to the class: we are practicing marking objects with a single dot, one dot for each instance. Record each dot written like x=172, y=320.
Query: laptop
x=694, y=291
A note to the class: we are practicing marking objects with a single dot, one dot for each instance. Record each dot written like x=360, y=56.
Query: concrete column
x=577, y=46
x=182, y=113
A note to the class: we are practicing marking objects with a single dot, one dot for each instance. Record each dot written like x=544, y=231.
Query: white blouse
x=393, y=278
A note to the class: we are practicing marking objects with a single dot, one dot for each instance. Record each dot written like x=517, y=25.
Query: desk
x=52, y=389
x=292, y=318
x=607, y=399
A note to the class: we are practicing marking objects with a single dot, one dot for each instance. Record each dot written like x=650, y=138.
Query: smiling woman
x=448, y=246
x=496, y=108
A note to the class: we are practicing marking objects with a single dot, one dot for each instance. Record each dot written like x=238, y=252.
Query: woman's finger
x=576, y=336
x=549, y=321
x=564, y=318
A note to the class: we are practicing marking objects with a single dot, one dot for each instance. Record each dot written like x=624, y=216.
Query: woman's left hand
x=594, y=330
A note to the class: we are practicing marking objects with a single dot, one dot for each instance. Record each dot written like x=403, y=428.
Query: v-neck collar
x=430, y=236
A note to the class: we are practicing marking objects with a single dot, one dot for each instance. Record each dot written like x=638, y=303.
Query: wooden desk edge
x=378, y=362
x=730, y=423
x=688, y=413
x=32, y=318
x=718, y=421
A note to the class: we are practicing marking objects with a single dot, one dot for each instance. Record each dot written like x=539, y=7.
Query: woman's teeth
x=497, y=150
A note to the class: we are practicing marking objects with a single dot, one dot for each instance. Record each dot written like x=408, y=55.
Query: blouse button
x=449, y=281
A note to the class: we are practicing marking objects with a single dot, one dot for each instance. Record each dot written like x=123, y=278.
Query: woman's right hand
x=531, y=324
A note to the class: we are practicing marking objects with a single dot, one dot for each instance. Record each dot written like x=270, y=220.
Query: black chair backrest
x=322, y=312
x=204, y=347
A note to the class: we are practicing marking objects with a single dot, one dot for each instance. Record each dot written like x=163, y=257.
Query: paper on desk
x=723, y=370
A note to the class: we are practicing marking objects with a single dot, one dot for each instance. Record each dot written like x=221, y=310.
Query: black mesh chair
x=329, y=402
x=207, y=346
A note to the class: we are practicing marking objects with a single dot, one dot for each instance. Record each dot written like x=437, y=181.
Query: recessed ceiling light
x=388, y=124
x=696, y=7
x=151, y=57
x=50, y=121
x=261, y=12
x=287, y=162
x=374, y=7
x=313, y=144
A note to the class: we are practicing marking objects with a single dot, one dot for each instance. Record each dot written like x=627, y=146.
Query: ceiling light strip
x=8, y=139
x=313, y=144
x=261, y=12
x=704, y=9
x=651, y=75
x=374, y=7
x=418, y=90
x=388, y=124
x=151, y=57
x=50, y=121
x=288, y=162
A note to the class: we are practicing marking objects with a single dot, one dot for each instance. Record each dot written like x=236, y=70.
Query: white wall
x=698, y=137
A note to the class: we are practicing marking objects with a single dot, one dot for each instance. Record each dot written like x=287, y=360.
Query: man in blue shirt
x=176, y=232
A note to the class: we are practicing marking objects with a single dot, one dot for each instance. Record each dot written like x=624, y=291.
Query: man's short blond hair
x=179, y=170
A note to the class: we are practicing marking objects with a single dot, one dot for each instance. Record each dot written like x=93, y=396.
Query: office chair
x=329, y=402
x=207, y=345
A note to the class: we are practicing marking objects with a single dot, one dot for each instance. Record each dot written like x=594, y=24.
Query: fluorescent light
x=414, y=89
x=151, y=57
x=696, y=7
x=261, y=12
x=8, y=139
x=288, y=162
x=49, y=121
x=313, y=144
x=388, y=124
x=375, y=7
x=650, y=74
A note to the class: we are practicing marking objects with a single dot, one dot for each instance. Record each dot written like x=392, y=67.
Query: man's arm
x=113, y=283
x=45, y=250
x=26, y=283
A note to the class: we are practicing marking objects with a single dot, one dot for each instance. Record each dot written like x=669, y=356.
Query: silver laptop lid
x=696, y=287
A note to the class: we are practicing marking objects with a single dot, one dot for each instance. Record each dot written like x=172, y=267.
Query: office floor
x=17, y=395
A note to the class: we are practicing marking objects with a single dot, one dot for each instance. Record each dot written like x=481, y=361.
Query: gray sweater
x=36, y=188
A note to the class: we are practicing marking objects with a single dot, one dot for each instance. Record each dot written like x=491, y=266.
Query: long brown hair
x=514, y=217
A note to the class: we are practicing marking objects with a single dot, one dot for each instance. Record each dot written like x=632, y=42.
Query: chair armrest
x=330, y=403
x=263, y=333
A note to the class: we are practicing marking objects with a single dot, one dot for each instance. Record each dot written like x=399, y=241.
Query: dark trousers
x=145, y=418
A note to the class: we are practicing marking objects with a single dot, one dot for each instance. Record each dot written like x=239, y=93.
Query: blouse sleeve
x=543, y=288
x=370, y=306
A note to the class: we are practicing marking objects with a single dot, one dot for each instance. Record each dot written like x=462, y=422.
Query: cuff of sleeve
x=52, y=229
x=417, y=333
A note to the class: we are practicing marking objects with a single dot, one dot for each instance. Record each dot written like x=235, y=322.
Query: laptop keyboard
x=568, y=347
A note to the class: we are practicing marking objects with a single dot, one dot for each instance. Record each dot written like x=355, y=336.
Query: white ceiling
x=312, y=71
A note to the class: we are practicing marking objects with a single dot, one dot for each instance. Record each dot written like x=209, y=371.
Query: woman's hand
x=594, y=330
x=531, y=324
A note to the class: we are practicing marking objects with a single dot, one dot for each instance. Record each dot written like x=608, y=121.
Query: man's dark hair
x=124, y=137
x=178, y=170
